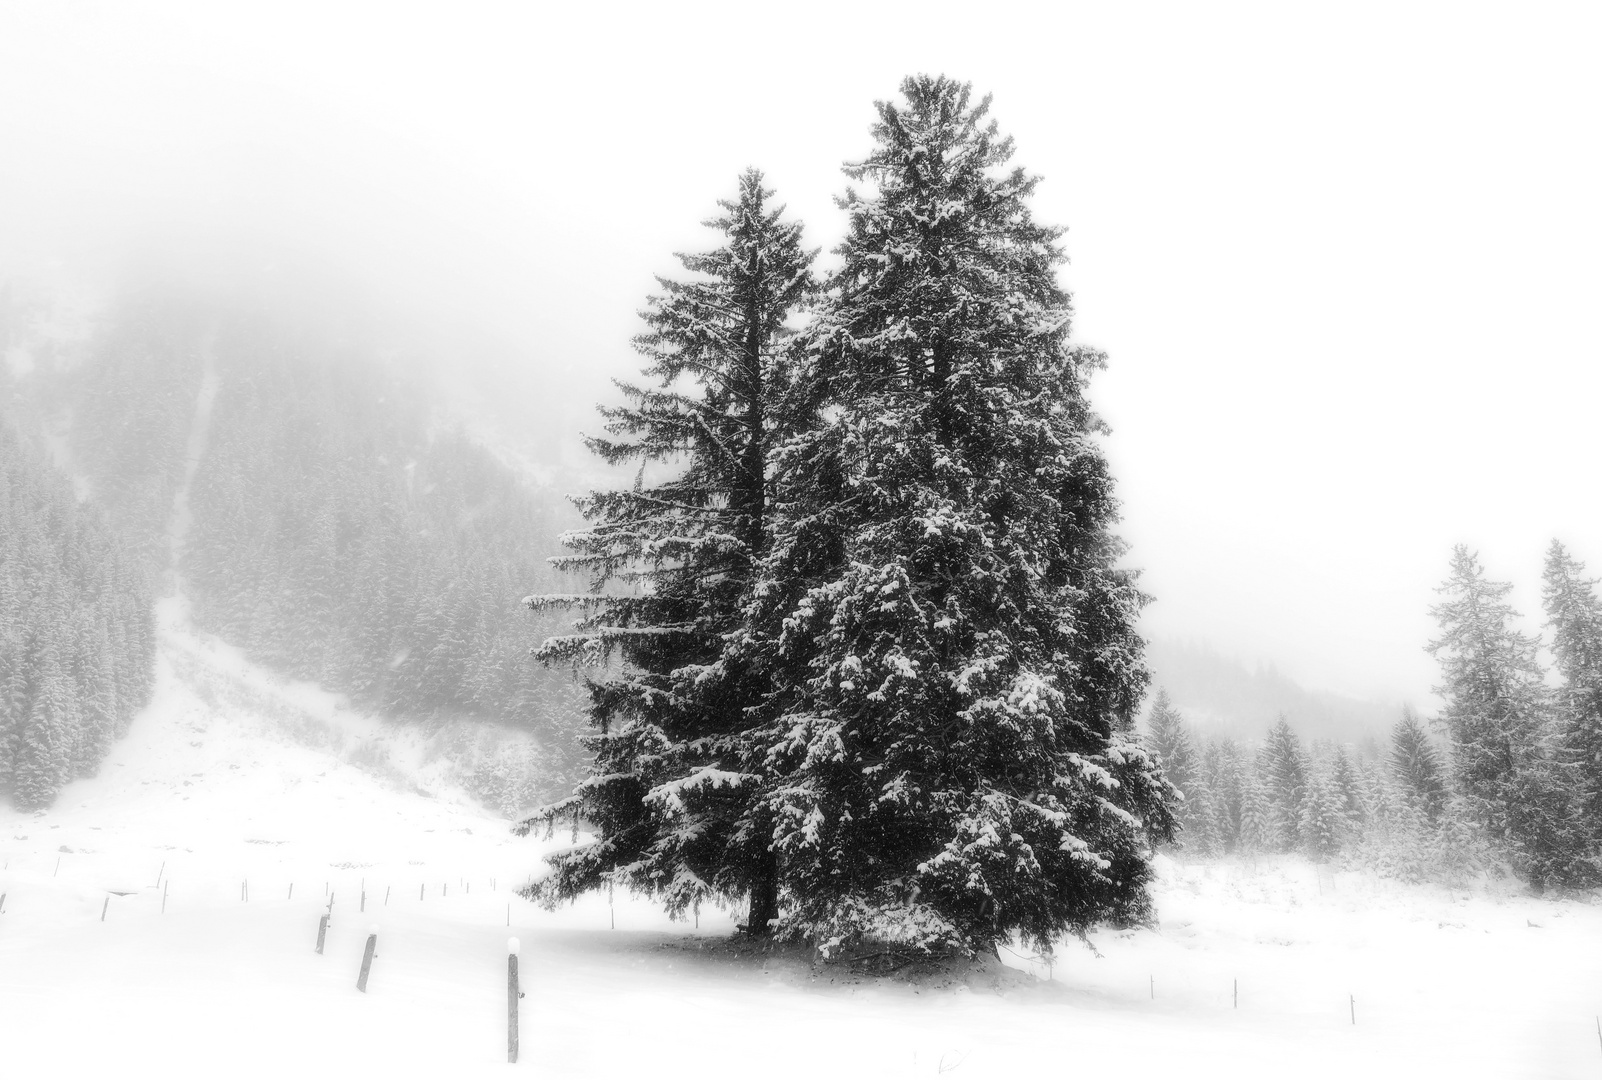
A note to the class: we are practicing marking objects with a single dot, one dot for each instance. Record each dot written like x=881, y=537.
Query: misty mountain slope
x=245, y=752
x=1225, y=698
x=318, y=512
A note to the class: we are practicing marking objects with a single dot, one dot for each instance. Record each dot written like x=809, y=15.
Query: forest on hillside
x=322, y=513
x=77, y=640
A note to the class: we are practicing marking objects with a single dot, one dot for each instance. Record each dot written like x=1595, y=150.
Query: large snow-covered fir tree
x=671, y=563
x=1574, y=614
x=1496, y=716
x=955, y=658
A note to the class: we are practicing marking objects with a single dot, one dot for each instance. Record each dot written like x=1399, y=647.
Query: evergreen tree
x=1168, y=740
x=667, y=794
x=1496, y=717
x=1257, y=826
x=1349, y=785
x=1284, y=769
x=1574, y=614
x=1415, y=765
x=954, y=649
x=1222, y=765
x=1323, y=822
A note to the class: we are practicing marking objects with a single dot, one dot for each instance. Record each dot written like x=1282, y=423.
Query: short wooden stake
x=164, y=898
x=1354, y=1009
x=322, y=932
x=1237, y=993
x=420, y=890
x=508, y=912
x=162, y=871
x=364, y=901
x=291, y=890
x=103, y=908
x=1153, y=979
x=512, y=994
x=445, y=889
x=1598, y=1019
x=386, y=895
x=2, y=903
x=57, y=870
x=367, y=960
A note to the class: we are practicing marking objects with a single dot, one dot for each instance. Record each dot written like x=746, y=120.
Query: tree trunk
x=764, y=897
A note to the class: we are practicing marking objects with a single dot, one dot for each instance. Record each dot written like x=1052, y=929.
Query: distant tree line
x=77, y=631
x=1513, y=776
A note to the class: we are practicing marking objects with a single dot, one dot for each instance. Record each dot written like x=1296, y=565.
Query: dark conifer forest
x=77, y=640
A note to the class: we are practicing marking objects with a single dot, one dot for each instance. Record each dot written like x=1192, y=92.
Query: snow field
x=220, y=785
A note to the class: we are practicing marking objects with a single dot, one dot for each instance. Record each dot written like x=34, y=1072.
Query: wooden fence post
x=322, y=932
x=367, y=959
x=512, y=994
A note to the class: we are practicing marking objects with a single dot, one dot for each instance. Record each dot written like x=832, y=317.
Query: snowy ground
x=232, y=778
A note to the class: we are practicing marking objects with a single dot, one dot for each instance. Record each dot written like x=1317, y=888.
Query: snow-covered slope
x=232, y=779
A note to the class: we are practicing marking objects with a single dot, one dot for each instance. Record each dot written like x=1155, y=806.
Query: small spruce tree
x=1415, y=765
x=1283, y=765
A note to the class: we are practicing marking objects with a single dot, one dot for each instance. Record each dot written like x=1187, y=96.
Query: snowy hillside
x=233, y=780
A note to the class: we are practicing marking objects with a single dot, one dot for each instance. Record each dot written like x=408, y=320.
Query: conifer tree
x=1257, y=828
x=1348, y=784
x=1323, y=821
x=1415, y=765
x=1170, y=743
x=1284, y=769
x=671, y=563
x=1574, y=614
x=1496, y=717
x=955, y=654
x=1222, y=765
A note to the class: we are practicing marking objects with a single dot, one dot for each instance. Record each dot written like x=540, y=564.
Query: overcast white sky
x=1344, y=258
